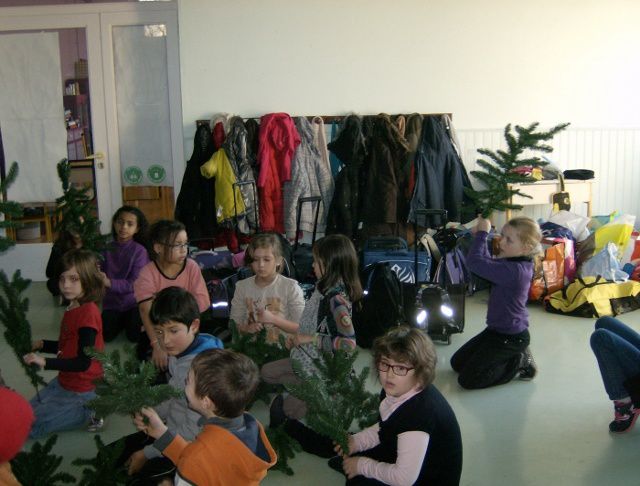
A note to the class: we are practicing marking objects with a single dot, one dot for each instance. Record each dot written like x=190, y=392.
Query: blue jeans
x=59, y=409
x=617, y=349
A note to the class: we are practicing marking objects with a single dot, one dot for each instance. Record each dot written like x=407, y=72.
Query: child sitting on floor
x=176, y=320
x=417, y=439
x=62, y=404
x=232, y=447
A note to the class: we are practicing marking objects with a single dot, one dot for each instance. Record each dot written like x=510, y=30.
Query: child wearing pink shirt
x=169, y=267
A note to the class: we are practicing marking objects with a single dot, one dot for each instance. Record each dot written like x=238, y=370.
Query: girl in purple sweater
x=120, y=268
x=501, y=352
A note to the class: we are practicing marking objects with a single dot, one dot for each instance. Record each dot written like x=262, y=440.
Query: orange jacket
x=219, y=458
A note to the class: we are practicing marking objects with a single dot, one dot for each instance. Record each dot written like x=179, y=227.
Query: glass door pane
x=45, y=101
x=142, y=101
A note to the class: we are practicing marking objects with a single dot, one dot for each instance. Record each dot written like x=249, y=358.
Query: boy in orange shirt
x=232, y=448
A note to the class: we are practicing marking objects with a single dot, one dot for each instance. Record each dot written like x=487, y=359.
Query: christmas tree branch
x=129, y=386
x=38, y=467
x=498, y=171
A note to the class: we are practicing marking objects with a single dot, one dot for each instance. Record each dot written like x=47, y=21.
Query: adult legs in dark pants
x=114, y=321
x=490, y=358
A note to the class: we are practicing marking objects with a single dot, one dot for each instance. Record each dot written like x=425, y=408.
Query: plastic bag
x=617, y=232
x=605, y=264
x=550, y=278
x=576, y=223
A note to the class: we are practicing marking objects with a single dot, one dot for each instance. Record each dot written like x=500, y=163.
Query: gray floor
x=552, y=431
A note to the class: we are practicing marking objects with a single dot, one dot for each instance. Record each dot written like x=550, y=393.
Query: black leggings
x=115, y=321
x=490, y=358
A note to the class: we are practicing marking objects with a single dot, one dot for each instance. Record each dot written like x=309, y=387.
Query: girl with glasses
x=417, y=440
x=169, y=267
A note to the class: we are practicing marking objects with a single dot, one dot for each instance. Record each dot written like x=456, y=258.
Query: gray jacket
x=175, y=411
x=310, y=176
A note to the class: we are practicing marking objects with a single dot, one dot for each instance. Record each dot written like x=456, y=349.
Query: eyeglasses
x=179, y=246
x=398, y=370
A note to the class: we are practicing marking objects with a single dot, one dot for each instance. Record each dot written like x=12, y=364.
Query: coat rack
x=325, y=118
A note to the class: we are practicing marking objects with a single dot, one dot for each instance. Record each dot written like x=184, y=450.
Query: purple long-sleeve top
x=122, y=264
x=510, y=277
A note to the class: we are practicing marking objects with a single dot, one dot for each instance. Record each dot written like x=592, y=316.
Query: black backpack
x=381, y=306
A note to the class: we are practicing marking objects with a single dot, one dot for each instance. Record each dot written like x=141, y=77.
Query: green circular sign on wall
x=156, y=173
x=133, y=175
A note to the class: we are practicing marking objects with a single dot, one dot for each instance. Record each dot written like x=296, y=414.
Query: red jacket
x=278, y=142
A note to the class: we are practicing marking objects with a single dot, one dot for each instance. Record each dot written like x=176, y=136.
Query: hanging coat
x=253, y=130
x=387, y=151
x=350, y=147
x=195, y=205
x=439, y=180
x=235, y=146
x=278, y=141
x=310, y=176
x=219, y=167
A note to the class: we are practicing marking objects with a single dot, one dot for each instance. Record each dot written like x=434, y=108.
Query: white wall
x=487, y=62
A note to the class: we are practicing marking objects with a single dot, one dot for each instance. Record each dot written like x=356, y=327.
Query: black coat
x=195, y=206
x=440, y=175
x=349, y=146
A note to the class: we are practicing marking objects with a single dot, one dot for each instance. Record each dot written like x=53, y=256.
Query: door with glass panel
x=142, y=95
x=94, y=83
x=51, y=107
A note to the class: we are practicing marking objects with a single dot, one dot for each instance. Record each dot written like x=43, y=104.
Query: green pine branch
x=75, y=212
x=285, y=446
x=103, y=469
x=256, y=347
x=38, y=467
x=497, y=172
x=127, y=386
x=11, y=209
x=335, y=395
x=13, y=314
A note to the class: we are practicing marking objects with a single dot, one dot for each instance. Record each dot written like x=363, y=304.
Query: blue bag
x=395, y=251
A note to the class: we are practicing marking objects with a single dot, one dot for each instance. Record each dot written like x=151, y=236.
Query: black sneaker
x=276, y=412
x=528, y=367
x=625, y=417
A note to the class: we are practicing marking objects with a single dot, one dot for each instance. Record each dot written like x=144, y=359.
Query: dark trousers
x=114, y=321
x=490, y=358
x=310, y=440
x=154, y=470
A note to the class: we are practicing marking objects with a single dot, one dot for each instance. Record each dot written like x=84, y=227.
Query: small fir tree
x=335, y=396
x=11, y=209
x=13, y=314
x=13, y=306
x=75, y=212
x=38, y=467
x=498, y=173
x=103, y=470
x=127, y=386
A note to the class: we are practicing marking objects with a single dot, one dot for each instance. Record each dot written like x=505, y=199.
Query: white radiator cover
x=613, y=155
